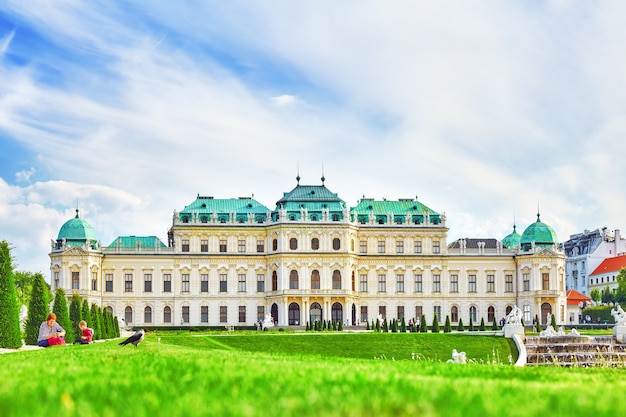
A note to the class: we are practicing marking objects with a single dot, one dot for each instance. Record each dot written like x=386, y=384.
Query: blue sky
x=484, y=110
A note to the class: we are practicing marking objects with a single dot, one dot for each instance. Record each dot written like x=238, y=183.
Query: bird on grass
x=135, y=339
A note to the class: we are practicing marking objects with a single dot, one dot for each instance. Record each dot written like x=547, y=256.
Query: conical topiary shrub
x=460, y=327
x=435, y=328
x=63, y=317
x=482, y=324
x=494, y=325
x=423, y=326
x=37, y=310
x=447, y=328
x=471, y=325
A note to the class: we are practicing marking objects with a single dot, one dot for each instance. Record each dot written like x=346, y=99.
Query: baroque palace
x=230, y=262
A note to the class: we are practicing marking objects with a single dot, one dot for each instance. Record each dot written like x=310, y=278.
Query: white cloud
x=5, y=41
x=25, y=175
x=283, y=100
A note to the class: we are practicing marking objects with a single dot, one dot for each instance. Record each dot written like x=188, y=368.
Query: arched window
x=293, y=243
x=294, y=314
x=491, y=313
x=337, y=312
x=335, y=217
x=473, y=314
x=274, y=313
x=316, y=313
x=508, y=310
x=167, y=315
x=275, y=244
x=293, y=280
x=315, y=280
x=314, y=218
x=336, y=280
x=147, y=315
x=315, y=243
x=336, y=244
x=274, y=281
x=454, y=314
x=128, y=314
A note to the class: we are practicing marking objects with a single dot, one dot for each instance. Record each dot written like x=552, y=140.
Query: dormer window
x=185, y=219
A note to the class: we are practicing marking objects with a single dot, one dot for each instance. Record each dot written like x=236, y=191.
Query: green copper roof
x=77, y=232
x=316, y=200
x=310, y=193
x=134, y=241
x=512, y=241
x=205, y=208
x=538, y=233
x=400, y=209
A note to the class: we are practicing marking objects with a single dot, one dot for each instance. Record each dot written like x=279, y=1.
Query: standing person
x=50, y=332
x=86, y=333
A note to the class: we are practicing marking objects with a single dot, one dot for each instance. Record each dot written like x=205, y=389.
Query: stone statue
x=457, y=357
x=619, y=315
x=267, y=322
x=514, y=317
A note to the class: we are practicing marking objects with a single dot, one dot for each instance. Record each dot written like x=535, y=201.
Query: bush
x=367, y=325
x=599, y=312
x=471, y=325
x=482, y=324
x=460, y=327
x=10, y=332
x=447, y=328
x=37, y=310
x=435, y=328
x=86, y=314
x=63, y=316
x=75, y=314
x=423, y=326
x=553, y=321
x=494, y=325
x=378, y=325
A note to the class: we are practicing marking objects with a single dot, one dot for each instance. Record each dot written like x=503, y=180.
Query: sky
x=487, y=111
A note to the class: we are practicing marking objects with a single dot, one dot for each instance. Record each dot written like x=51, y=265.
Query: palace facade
x=229, y=262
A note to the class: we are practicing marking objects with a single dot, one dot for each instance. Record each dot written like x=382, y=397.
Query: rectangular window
x=204, y=245
x=417, y=246
x=260, y=313
x=204, y=282
x=508, y=283
x=418, y=313
x=381, y=246
x=241, y=283
x=185, y=246
x=454, y=283
x=185, y=283
x=399, y=246
x=364, y=314
x=437, y=312
x=186, y=314
x=241, y=246
x=94, y=281
x=436, y=283
x=400, y=283
x=418, y=282
x=108, y=278
x=242, y=314
x=223, y=314
x=223, y=246
x=75, y=280
x=223, y=283
x=260, y=283
x=545, y=281
x=526, y=278
x=382, y=283
x=471, y=283
x=436, y=247
x=363, y=282
x=491, y=283
x=260, y=246
x=128, y=282
x=204, y=314
x=147, y=283
x=400, y=313
x=363, y=246
x=167, y=282
x=382, y=310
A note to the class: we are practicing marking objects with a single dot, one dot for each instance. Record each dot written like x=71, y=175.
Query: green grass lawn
x=297, y=375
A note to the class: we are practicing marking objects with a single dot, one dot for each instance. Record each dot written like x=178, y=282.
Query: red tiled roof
x=614, y=264
x=574, y=297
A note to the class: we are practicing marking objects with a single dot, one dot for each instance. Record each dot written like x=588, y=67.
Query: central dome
x=538, y=233
x=76, y=232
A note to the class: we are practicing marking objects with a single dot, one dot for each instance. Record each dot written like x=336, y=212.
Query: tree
x=620, y=293
x=37, y=310
x=607, y=295
x=538, y=323
x=423, y=326
x=553, y=321
x=482, y=324
x=494, y=325
x=75, y=313
x=471, y=325
x=447, y=328
x=435, y=328
x=63, y=317
x=460, y=328
x=595, y=294
x=10, y=332
x=403, y=326
x=24, y=282
x=367, y=325
x=340, y=326
x=95, y=318
x=85, y=313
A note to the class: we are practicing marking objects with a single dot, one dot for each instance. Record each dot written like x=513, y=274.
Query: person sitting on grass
x=86, y=335
x=50, y=332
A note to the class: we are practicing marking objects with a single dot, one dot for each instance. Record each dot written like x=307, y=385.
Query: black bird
x=135, y=339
